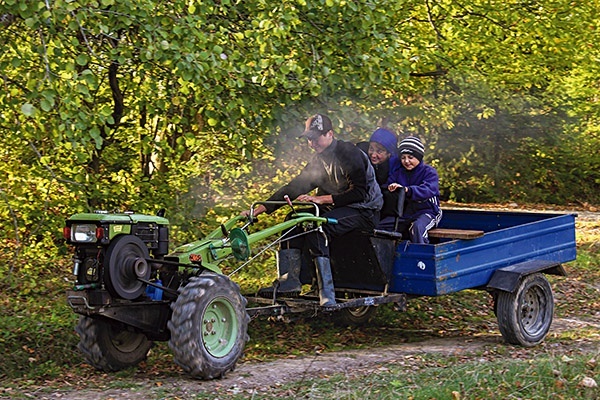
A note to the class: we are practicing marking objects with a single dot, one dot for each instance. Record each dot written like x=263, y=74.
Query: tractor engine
x=115, y=251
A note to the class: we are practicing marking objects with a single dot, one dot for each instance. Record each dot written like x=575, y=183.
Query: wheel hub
x=219, y=328
x=530, y=316
x=140, y=268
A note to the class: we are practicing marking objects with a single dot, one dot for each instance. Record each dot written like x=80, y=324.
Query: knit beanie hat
x=412, y=145
x=385, y=138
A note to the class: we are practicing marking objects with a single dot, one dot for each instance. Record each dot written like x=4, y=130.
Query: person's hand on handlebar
x=326, y=199
x=258, y=210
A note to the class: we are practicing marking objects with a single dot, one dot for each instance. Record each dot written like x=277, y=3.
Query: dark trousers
x=414, y=230
x=348, y=219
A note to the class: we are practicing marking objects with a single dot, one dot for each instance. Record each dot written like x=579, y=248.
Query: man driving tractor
x=346, y=190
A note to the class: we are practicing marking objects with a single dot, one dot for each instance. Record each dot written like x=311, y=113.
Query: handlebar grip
x=332, y=221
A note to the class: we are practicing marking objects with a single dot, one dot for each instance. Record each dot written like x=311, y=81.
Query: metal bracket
x=70, y=300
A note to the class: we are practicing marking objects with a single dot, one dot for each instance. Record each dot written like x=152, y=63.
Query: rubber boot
x=314, y=288
x=288, y=284
x=325, y=279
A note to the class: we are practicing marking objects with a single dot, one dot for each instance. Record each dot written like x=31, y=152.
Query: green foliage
x=38, y=337
x=139, y=105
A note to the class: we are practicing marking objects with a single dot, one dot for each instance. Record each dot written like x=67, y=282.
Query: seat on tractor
x=360, y=260
x=364, y=260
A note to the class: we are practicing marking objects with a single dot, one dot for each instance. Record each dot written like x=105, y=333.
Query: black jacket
x=341, y=170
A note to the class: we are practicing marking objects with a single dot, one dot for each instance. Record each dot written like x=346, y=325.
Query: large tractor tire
x=111, y=346
x=525, y=315
x=124, y=263
x=208, y=326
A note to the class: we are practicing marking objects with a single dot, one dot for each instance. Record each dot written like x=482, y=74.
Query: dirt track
x=252, y=379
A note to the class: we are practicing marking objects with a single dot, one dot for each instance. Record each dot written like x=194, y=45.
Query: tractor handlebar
x=232, y=236
x=287, y=201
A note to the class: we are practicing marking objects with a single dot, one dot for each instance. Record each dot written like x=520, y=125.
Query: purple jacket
x=423, y=195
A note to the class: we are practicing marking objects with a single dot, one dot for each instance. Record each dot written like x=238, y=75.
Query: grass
x=38, y=337
x=457, y=378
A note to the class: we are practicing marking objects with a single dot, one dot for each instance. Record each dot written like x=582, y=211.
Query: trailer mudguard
x=507, y=279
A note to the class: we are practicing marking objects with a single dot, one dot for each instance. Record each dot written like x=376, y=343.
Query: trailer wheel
x=355, y=316
x=525, y=315
x=208, y=326
x=111, y=346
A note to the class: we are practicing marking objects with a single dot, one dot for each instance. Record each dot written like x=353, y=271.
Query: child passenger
x=420, y=183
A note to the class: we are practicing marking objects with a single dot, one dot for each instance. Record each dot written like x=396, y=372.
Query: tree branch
x=432, y=23
x=117, y=95
x=437, y=72
x=7, y=19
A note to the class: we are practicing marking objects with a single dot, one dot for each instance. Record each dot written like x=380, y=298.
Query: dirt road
x=252, y=378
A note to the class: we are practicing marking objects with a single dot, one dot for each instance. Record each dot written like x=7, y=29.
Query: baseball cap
x=316, y=126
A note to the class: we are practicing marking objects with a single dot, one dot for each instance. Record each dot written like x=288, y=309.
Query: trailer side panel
x=510, y=238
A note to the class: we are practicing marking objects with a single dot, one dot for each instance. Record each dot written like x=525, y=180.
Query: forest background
x=195, y=106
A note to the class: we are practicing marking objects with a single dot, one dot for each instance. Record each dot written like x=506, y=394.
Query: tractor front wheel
x=111, y=346
x=208, y=326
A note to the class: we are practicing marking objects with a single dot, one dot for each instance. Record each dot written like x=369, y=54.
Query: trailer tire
x=208, y=326
x=525, y=315
x=111, y=346
x=355, y=316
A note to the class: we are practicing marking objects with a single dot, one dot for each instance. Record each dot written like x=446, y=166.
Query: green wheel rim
x=219, y=327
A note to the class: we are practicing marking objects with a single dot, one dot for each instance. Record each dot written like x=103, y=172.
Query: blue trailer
x=130, y=290
x=506, y=254
x=509, y=242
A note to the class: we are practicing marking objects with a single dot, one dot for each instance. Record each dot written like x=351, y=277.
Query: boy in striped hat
x=420, y=183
